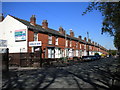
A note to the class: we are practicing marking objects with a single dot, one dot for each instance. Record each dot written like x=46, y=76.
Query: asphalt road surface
x=99, y=75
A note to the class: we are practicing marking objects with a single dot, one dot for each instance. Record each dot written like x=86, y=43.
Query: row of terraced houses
x=28, y=37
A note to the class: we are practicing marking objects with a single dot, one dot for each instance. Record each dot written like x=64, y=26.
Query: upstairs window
x=50, y=39
x=90, y=47
x=80, y=46
x=84, y=46
x=56, y=41
x=66, y=43
x=76, y=44
x=35, y=36
x=70, y=43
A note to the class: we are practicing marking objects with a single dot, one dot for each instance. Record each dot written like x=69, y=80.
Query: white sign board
x=20, y=35
x=3, y=50
x=35, y=43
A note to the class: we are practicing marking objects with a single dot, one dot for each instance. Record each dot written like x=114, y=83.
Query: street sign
x=3, y=43
x=35, y=43
x=3, y=50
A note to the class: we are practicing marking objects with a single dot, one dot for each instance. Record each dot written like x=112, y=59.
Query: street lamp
x=87, y=42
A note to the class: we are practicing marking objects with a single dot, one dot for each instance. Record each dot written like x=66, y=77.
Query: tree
x=96, y=53
x=112, y=52
x=111, y=22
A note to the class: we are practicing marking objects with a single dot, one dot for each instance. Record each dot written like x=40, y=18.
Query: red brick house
x=53, y=43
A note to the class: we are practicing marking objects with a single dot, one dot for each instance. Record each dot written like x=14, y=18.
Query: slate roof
x=39, y=28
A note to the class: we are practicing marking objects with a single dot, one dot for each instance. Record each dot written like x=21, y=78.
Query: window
x=84, y=46
x=70, y=43
x=50, y=39
x=76, y=44
x=56, y=41
x=51, y=53
x=66, y=43
x=90, y=47
x=77, y=52
x=35, y=36
x=80, y=46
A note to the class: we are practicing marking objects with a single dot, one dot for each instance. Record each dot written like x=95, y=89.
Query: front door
x=51, y=53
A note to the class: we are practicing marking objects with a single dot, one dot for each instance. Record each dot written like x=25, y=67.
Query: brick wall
x=30, y=38
x=61, y=43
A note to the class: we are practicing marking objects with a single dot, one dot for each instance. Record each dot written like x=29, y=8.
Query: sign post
x=37, y=44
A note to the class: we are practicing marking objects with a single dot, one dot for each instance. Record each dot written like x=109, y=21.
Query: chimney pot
x=80, y=37
x=71, y=33
x=45, y=24
x=33, y=20
x=1, y=17
x=85, y=38
x=64, y=32
x=61, y=30
x=89, y=40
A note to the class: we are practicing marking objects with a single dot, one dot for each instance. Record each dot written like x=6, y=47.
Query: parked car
x=98, y=57
x=86, y=58
x=93, y=57
x=89, y=58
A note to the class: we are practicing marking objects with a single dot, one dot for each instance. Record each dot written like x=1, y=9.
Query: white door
x=49, y=53
x=53, y=54
x=77, y=53
x=56, y=53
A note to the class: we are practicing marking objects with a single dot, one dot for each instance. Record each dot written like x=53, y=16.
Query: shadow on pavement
x=96, y=77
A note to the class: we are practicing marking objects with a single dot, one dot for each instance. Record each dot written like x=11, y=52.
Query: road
x=99, y=74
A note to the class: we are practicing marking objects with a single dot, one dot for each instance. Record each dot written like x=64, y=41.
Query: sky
x=65, y=14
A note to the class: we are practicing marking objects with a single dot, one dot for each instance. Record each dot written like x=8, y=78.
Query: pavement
x=100, y=74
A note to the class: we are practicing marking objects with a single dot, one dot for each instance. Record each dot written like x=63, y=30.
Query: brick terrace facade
x=62, y=45
x=57, y=44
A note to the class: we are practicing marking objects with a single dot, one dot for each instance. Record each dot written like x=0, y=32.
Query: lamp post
x=88, y=45
x=66, y=42
x=20, y=56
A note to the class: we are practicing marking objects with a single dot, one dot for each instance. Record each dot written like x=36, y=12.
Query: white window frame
x=35, y=36
x=70, y=43
x=49, y=39
x=51, y=53
x=90, y=47
x=76, y=44
x=84, y=46
x=66, y=43
x=77, y=53
x=56, y=41
x=80, y=46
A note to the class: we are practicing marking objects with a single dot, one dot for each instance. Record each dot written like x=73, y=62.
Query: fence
x=4, y=53
x=24, y=59
x=35, y=60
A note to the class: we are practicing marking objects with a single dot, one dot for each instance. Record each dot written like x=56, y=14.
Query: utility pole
x=88, y=44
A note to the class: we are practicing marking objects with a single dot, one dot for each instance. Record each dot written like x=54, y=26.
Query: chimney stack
x=64, y=32
x=71, y=33
x=33, y=20
x=95, y=43
x=85, y=39
x=89, y=40
x=45, y=24
x=61, y=30
x=80, y=37
x=1, y=17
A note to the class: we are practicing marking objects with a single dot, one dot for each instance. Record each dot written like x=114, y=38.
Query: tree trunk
x=118, y=54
